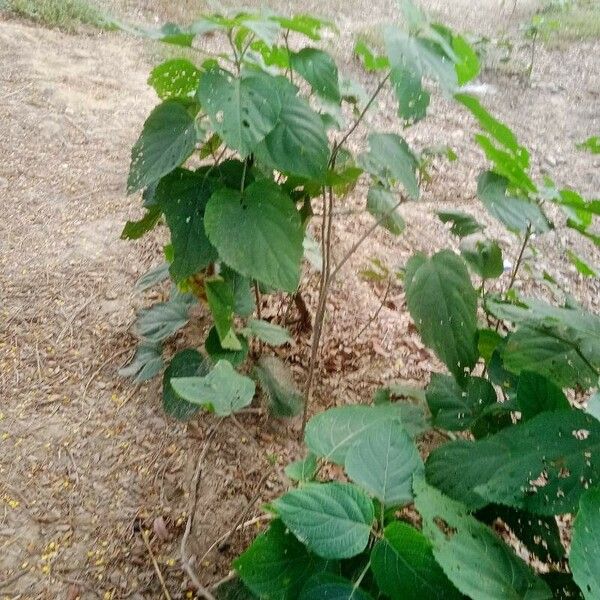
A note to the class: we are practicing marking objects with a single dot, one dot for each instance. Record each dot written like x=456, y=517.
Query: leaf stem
x=359, y=580
x=289, y=55
x=519, y=258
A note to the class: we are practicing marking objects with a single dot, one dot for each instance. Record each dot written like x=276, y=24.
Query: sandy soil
x=88, y=462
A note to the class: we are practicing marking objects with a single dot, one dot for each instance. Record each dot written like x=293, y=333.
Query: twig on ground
x=375, y=314
x=155, y=565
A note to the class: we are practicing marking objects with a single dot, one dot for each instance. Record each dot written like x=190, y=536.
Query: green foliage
x=592, y=144
x=381, y=203
x=463, y=224
x=187, y=363
x=484, y=257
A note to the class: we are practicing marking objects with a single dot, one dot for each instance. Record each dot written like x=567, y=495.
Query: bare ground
x=88, y=461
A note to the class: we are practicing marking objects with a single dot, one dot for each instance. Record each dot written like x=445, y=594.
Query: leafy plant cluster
x=233, y=159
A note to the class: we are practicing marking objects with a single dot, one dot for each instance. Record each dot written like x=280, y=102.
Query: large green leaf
x=182, y=196
x=332, y=587
x=475, y=560
x=457, y=407
x=551, y=354
x=517, y=213
x=484, y=257
x=277, y=565
x=381, y=203
x=168, y=138
x=537, y=394
x=223, y=390
x=298, y=143
x=333, y=519
x=258, y=233
x=383, y=461
x=405, y=568
x=413, y=100
x=175, y=78
x=221, y=303
x=585, y=546
x=443, y=303
x=242, y=110
x=320, y=70
x=275, y=378
x=187, y=363
x=541, y=466
x=332, y=433
x=390, y=158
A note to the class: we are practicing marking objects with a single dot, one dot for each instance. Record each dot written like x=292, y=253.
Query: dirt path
x=86, y=459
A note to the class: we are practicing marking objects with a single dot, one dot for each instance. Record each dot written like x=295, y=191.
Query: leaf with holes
x=474, y=559
x=443, y=303
x=383, y=461
x=333, y=520
x=276, y=565
x=175, y=78
x=182, y=196
x=320, y=70
x=381, y=204
x=405, y=568
x=585, y=546
x=168, y=138
x=187, y=363
x=223, y=390
x=275, y=378
x=242, y=110
x=455, y=407
x=258, y=233
x=541, y=466
x=298, y=143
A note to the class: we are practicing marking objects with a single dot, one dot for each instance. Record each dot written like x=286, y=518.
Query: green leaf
x=541, y=466
x=536, y=394
x=548, y=353
x=455, y=407
x=413, y=100
x=233, y=589
x=370, y=60
x=298, y=142
x=182, y=196
x=487, y=341
x=302, y=470
x=540, y=535
x=152, y=277
x=332, y=587
x=333, y=520
x=169, y=33
x=277, y=565
x=258, y=233
x=187, y=363
x=467, y=66
x=243, y=298
x=484, y=257
x=389, y=157
x=307, y=25
x=592, y=144
x=515, y=212
x=332, y=433
x=319, y=70
x=381, y=203
x=277, y=382
x=242, y=110
x=175, y=78
x=221, y=304
x=585, y=547
x=271, y=334
x=562, y=586
x=134, y=230
x=475, y=560
x=405, y=568
x=146, y=363
x=383, y=461
x=164, y=319
x=223, y=390
x=215, y=350
x=443, y=303
x=581, y=266
x=168, y=138
x=462, y=223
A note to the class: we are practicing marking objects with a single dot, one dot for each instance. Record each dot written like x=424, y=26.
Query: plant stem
x=360, y=578
x=242, y=185
x=289, y=55
x=519, y=258
x=258, y=311
x=356, y=123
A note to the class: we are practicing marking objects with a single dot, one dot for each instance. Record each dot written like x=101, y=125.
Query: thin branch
x=356, y=123
x=519, y=258
x=155, y=565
